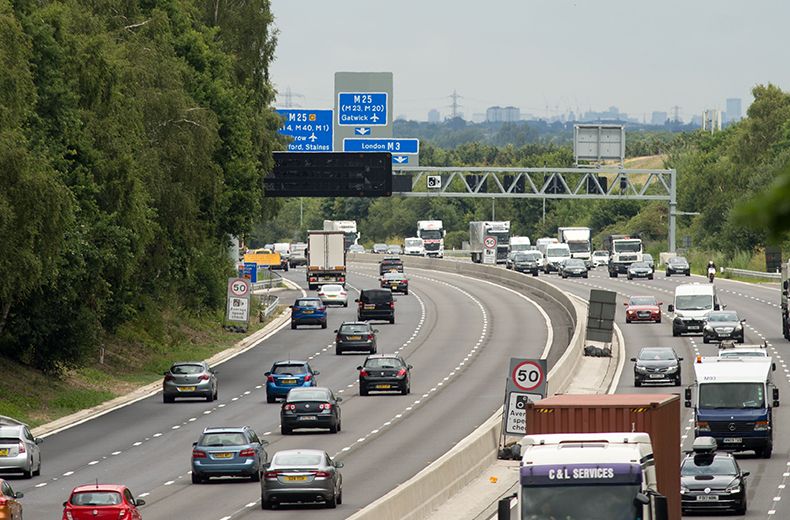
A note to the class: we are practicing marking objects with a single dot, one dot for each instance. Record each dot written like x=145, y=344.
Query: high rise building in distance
x=733, y=110
x=434, y=116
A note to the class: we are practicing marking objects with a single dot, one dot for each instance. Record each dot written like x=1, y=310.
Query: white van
x=555, y=255
x=414, y=246
x=693, y=302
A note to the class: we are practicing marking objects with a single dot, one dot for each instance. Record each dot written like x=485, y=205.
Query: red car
x=643, y=308
x=101, y=502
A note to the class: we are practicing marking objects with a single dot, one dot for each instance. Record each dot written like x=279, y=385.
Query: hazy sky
x=561, y=54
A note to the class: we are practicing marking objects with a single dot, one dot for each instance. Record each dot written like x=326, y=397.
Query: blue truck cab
x=732, y=402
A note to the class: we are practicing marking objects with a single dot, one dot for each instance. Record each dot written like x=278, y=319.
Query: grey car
x=356, y=248
x=190, y=379
x=640, y=270
x=723, y=325
x=228, y=452
x=657, y=365
x=380, y=249
x=573, y=267
x=19, y=451
x=302, y=476
x=678, y=265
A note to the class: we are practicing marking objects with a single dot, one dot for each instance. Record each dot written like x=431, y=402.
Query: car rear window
x=223, y=439
x=96, y=498
x=376, y=296
x=186, y=369
x=308, y=303
x=9, y=440
x=307, y=395
x=289, y=369
x=394, y=276
x=383, y=363
x=354, y=329
x=297, y=459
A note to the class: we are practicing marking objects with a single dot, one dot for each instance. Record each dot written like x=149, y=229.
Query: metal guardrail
x=275, y=279
x=273, y=302
x=753, y=274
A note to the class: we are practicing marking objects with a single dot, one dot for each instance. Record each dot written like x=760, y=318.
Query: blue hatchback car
x=285, y=375
x=308, y=311
x=232, y=451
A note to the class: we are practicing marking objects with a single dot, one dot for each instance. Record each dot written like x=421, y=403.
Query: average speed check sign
x=527, y=375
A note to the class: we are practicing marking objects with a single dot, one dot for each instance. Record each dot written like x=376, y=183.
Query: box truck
x=624, y=250
x=578, y=240
x=478, y=231
x=326, y=258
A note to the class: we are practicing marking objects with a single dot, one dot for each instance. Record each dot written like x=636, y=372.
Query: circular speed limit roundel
x=527, y=375
x=239, y=287
x=490, y=242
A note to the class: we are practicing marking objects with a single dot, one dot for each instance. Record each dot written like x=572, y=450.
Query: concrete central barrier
x=419, y=496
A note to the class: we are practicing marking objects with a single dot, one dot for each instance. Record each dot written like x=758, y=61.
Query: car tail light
x=204, y=377
x=270, y=379
x=321, y=474
x=289, y=407
x=22, y=448
x=392, y=305
x=341, y=279
x=325, y=406
x=405, y=282
x=401, y=372
x=360, y=304
x=270, y=475
x=3, y=501
x=198, y=454
x=312, y=279
x=308, y=377
x=370, y=337
x=249, y=452
x=338, y=338
x=363, y=373
x=169, y=377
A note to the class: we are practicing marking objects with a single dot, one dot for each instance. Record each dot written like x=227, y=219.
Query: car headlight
x=761, y=426
x=683, y=490
x=739, y=327
x=708, y=328
x=703, y=426
x=641, y=370
x=672, y=370
x=735, y=488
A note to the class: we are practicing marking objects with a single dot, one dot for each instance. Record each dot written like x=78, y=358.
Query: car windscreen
x=656, y=354
x=640, y=265
x=574, y=262
x=223, y=439
x=307, y=394
x=678, y=260
x=643, y=300
x=289, y=369
x=693, y=302
x=722, y=316
x=394, y=276
x=96, y=498
x=186, y=369
x=376, y=296
x=579, y=247
x=356, y=328
x=383, y=363
x=413, y=242
x=736, y=354
x=557, y=252
x=592, y=502
x=308, y=303
x=731, y=395
x=707, y=465
x=298, y=459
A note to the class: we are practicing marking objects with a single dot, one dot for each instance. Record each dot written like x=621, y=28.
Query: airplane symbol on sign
x=313, y=138
x=374, y=118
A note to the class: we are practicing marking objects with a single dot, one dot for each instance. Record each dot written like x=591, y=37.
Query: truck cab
x=622, y=253
x=730, y=398
x=595, y=476
x=692, y=303
x=432, y=234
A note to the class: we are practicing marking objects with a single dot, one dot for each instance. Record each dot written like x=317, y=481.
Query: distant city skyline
x=538, y=56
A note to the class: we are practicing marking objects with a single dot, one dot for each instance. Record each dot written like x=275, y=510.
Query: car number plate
x=733, y=440
x=223, y=455
x=186, y=388
x=4, y=452
x=382, y=386
x=355, y=338
x=308, y=312
x=656, y=376
x=693, y=327
x=707, y=498
x=307, y=418
x=369, y=306
x=288, y=381
x=394, y=286
x=295, y=478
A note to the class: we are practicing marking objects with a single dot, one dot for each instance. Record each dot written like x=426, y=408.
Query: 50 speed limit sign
x=527, y=375
x=238, y=287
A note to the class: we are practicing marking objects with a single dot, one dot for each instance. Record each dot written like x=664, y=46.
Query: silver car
x=301, y=476
x=333, y=294
x=190, y=379
x=19, y=451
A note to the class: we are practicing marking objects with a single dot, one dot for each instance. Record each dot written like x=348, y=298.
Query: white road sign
x=238, y=309
x=239, y=287
x=516, y=412
x=434, y=182
x=527, y=375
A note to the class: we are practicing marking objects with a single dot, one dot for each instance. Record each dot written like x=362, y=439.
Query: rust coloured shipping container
x=655, y=414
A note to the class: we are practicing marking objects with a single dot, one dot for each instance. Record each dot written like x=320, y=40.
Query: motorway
x=457, y=332
x=759, y=305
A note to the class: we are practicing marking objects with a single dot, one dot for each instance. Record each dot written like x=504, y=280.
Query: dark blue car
x=286, y=375
x=308, y=311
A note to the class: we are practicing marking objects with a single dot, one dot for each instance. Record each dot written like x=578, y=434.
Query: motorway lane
x=761, y=311
x=158, y=465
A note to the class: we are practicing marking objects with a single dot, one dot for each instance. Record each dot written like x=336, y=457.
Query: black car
x=355, y=335
x=396, y=282
x=526, y=262
x=723, y=325
x=657, y=365
x=390, y=263
x=376, y=304
x=382, y=372
x=678, y=265
x=640, y=270
x=573, y=267
x=315, y=407
x=711, y=480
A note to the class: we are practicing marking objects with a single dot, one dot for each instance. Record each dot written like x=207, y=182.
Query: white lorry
x=479, y=231
x=432, y=234
x=326, y=258
x=623, y=251
x=349, y=229
x=590, y=476
x=578, y=240
x=413, y=246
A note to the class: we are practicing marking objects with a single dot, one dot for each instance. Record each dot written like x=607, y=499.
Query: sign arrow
x=312, y=137
x=362, y=131
x=400, y=159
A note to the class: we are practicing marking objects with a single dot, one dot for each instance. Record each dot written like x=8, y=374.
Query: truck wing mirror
x=641, y=499
x=671, y=308
x=687, y=397
x=716, y=307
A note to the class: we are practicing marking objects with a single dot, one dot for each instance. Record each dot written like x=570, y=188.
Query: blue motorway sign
x=362, y=108
x=397, y=146
x=311, y=130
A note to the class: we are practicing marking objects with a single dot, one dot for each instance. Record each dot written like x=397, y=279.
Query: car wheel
x=637, y=383
x=256, y=477
x=168, y=398
x=766, y=452
x=392, y=320
x=210, y=397
x=658, y=320
x=333, y=428
x=650, y=277
x=293, y=325
x=667, y=274
x=345, y=304
x=627, y=320
x=373, y=350
x=705, y=340
x=535, y=273
x=332, y=502
x=688, y=273
x=740, y=340
x=675, y=333
x=323, y=325
x=741, y=510
x=265, y=504
x=363, y=390
x=285, y=430
x=338, y=351
x=677, y=381
x=270, y=398
x=340, y=496
x=405, y=293
x=196, y=479
x=216, y=393
x=629, y=277
x=37, y=473
x=585, y=276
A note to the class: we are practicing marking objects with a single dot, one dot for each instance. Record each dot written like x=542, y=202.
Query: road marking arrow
x=362, y=131
x=400, y=159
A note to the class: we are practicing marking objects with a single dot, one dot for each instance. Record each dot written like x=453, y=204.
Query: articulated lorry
x=326, y=258
x=578, y=240
x=785, y=287
x=349, y=229
x=624, y=250
x=478, y=231
x=601, y=457
x=731, y=402
x=432, y=234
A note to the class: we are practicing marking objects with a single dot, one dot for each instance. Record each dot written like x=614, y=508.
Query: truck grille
x=628, y=258
x=431, y=246
x=731, y=427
